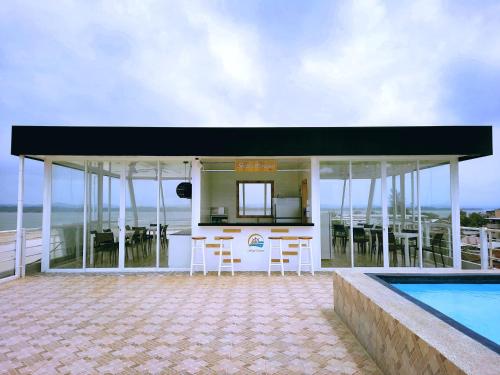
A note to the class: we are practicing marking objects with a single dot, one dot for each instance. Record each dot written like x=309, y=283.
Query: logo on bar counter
x=255, y=243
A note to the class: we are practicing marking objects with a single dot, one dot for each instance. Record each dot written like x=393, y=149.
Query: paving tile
x=175, y=324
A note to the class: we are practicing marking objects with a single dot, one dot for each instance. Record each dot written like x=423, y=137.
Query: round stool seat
x=305, y=238
x=275, y=238
x=224, y=238
x=198, y=238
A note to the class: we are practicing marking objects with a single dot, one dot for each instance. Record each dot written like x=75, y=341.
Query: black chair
x=163, y=236
x=107, y=230
x=105, y=243
x=339, y=233
x=377, y=240
x=436, y=241
x=393, y=249
x=360, y=239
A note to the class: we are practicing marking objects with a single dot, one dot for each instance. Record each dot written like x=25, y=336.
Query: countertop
x=255, y=224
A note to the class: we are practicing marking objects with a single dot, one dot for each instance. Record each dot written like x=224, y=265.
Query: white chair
x=305, y=243
x=198, y=243
x=275, y=261
x=224, y=252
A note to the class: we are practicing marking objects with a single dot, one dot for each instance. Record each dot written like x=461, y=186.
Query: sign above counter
x=255, y=165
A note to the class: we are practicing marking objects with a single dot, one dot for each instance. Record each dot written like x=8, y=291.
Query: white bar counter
x=251, y=243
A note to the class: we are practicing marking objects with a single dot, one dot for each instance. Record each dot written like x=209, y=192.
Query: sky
x=251, y=63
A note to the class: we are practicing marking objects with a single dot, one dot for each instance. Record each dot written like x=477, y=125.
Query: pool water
x=476, y=306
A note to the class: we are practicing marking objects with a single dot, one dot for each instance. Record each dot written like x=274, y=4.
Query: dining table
x=406, y=237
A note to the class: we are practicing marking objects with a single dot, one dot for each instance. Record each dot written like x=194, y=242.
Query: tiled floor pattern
x=175, y=324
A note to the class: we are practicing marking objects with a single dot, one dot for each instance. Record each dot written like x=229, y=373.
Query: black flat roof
x=465, y=141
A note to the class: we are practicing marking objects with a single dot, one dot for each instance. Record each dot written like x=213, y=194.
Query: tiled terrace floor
x=175, y=324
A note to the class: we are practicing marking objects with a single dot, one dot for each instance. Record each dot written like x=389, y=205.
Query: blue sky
x=252, y=63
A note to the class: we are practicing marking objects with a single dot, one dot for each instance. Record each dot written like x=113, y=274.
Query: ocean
x=175, y=218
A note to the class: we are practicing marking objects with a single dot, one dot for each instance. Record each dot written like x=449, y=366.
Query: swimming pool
x=470, y=303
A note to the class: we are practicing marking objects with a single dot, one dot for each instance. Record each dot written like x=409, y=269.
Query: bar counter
x=250, y=243
x=255, y=224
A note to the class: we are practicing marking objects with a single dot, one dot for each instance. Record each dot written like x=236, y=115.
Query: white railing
x=480, y=247
x=31, y=250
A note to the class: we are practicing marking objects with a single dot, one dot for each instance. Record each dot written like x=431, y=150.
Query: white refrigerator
x=287, y=210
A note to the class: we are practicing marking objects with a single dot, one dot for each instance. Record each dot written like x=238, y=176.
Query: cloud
x=182, y=55
x=384, y=65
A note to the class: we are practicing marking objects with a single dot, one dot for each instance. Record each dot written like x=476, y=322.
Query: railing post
x=23, y=253
x=483, y=238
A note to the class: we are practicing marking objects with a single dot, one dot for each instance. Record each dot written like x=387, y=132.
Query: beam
x=370, y=201
x=19, y=264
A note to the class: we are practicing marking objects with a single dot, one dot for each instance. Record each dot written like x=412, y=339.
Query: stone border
x=400, y=336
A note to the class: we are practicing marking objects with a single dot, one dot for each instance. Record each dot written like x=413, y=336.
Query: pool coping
x=383, y=309
x=446, y=278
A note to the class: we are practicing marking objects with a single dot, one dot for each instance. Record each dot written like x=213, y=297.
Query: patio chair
x=360, y=239
x=105, y=243
x=436, y=242
x=339, y=233
x=163, y=236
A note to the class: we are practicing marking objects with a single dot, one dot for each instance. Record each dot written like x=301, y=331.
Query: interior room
x=245, y=193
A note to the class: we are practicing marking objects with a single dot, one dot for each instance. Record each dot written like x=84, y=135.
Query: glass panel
x=103, y=209
x=435, y=203
x=335, y=215
x=403, y=214
x=254, y=198
x=66, y=231
x=140, y=214
x=367, y=214
x=175, y=218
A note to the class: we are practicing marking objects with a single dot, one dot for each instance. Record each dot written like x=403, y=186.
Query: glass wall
x=66, y=230
x=435, y=202
x=140, y=214
x=403, y=214
x=335, y=214
x=175, y=212
x=103, y=209
x=366, y=199
x=410, y=186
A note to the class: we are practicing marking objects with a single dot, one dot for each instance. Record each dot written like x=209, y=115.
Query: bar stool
x=275, y=262
x=305, y=243
x=198, y=243
x=228, y=251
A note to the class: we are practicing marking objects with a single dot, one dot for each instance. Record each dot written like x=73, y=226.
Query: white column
x=121, y=220
x=196, y=195
x=19, y=227
x=316, y=211
x=455, y=214
x=86, y=193
x=385, y=219
x=419, y=218
x=484, y=250
x=47, y=202
x=351, y=221
x=158, y=225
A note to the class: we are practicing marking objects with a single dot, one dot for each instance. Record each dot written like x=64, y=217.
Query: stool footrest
x=290, y=252
x=223, y=253
x=279, y=261
x=229, y=260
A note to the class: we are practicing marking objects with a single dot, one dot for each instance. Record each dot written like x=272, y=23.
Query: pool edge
x=452, y=322
x=400, y=336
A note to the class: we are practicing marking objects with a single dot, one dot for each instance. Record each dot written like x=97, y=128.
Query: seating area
x=403, y=246
x=140, y=247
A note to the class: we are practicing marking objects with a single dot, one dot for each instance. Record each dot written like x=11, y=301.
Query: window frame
x=238, y=182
